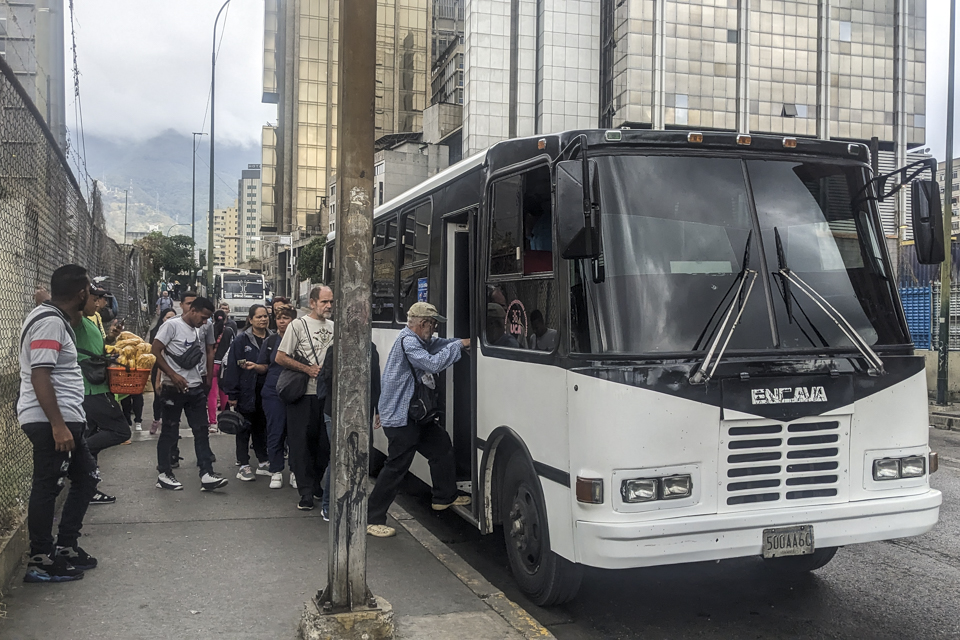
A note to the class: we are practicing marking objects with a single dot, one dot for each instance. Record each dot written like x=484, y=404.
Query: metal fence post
x=943, y=357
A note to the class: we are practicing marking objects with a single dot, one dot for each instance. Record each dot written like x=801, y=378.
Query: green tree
x=310, y=263
x=175, y=254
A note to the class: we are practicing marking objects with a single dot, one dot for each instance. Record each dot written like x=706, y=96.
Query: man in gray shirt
x=50, y=412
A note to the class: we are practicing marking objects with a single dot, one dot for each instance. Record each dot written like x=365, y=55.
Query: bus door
x=458, y=387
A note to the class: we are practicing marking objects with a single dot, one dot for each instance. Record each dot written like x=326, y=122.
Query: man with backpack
x=50, y=412
x=409, y=415
x=106, y=424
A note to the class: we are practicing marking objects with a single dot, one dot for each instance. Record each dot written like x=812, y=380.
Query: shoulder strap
x=306, y=328
x=38, y=318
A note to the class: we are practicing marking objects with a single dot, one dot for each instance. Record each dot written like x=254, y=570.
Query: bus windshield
x=679, y=231
x=242, y=287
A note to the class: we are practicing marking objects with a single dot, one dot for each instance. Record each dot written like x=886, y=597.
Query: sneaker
x=381, y=531
x=168, y=481
x=43, y=568
x=101, y=498
x=293, y=481
x=211, y=481
x=459, y=501
x=138, y=426
x=212, y=429
x=276, y=480
x=306, y=504
x=246, y=474
x=263, y=469
x=324, y=514
x=154, y=427
x=127, y=442
x=77, y=558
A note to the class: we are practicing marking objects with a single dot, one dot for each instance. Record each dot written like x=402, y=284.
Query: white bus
x=241, y=289
x=698, y=354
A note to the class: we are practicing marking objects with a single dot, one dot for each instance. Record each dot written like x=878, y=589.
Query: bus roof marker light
x=542, y=144
x=853, y=149
x=790, y=143
x=694, y=136
x=590, y=490
x=612, y=136
x=744, y=139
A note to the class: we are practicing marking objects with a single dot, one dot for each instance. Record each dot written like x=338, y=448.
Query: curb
x=13, y=547
x=510, y=611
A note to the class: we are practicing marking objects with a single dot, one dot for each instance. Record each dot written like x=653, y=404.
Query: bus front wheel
x=546, y=578
x=801, y=564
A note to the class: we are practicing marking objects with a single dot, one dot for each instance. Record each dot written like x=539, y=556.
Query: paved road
x=899, y=589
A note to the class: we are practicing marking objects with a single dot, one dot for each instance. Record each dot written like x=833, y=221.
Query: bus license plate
x=788, y=541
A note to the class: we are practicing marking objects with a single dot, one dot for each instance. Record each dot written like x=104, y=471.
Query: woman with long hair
x=217, y=399
x=244, y=386
x=155, y=374
x=273, y=406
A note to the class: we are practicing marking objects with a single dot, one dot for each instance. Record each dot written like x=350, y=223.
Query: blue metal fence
x=917, y=307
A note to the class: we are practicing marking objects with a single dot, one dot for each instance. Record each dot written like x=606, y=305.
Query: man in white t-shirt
x=307, y=340
x=180, y=350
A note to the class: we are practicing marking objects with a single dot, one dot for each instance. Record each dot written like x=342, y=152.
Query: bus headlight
x=912, y=467
x=639, y=490
x=675, y=487
x=886, y=469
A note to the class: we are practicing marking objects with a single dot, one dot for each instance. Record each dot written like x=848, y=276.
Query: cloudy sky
x=145, y=68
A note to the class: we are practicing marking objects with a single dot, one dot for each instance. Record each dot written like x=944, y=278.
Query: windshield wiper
x=873, y=360
x=702, y=375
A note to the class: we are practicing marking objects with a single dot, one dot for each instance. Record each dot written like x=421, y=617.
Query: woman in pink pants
x=217, y=400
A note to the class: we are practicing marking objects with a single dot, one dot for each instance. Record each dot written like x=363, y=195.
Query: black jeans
x=433, y=443
x=51, y=468
x=133, y=406
x=193, y=404
x=257, y=432
x=307, y=439
x=106, y=426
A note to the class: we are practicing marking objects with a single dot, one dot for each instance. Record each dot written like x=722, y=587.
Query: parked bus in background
x=240, y=289
x=688, y=346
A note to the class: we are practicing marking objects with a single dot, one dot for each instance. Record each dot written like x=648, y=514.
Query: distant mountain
x=156, y=174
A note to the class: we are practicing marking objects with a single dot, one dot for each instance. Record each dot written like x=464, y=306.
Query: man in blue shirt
x=416, y=352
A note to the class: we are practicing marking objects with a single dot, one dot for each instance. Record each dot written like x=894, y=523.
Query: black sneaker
x=101, y=498
x=43, y=568
x=77, y=558
x=211, y=481
x=168, y=481
x=306, y=504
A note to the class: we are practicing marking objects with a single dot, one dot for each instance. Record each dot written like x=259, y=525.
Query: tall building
x=248, y=217
x=226, y=241
x=31, y=42
x=301, y=47
x=954, y=207
x=446, y=83
x=446, y=26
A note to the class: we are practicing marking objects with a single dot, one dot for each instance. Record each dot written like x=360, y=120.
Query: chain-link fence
x=44, y=223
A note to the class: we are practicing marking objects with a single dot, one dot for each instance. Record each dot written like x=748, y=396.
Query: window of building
x=522, y=310
x=732, y=36
x=384, y=269
x=415, y=256
x=846, y=31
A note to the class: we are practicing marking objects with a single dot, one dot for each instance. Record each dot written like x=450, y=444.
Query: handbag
x=292, y=384
x=94, y=367
x=425, y=407
x=189, y=358
x=231, y=422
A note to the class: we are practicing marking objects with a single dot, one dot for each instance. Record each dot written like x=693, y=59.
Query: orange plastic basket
x=127, y=381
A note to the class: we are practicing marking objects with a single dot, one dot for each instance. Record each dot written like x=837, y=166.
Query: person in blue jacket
x=273, y=406
x=243, y=384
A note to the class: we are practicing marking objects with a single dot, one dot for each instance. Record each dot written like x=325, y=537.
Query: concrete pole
x=347, y=563
x=946, y=267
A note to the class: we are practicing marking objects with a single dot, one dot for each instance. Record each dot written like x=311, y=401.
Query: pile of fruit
x=132, y=352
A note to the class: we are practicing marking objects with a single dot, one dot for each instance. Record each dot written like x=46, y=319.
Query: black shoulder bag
x=425, y=407
x=94, y=366
x=292, y=384
x=189, y=358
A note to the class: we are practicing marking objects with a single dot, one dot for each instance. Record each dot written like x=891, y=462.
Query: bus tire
x=546, y=578
x=801, y=564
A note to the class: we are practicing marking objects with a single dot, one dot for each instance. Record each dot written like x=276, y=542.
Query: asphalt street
x=907, y=588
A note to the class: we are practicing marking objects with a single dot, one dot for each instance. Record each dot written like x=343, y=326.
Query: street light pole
x=124, y=216
x=193, y=206
x=943, y=355
x=213, y=111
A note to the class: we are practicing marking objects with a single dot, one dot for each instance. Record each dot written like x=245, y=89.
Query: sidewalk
x=236, y=563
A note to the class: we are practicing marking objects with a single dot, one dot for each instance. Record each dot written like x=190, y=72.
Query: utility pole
x=943, y=357
x=346, y=604
x=213, y=111
x=124, y=216
x=193, y=207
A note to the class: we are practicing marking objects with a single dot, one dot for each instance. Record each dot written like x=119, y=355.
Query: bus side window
x=522, y=311
x=415, y=256
x=384, y=270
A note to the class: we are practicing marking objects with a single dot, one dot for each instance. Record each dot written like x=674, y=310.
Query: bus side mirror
x=578, y=210
x=927, y=214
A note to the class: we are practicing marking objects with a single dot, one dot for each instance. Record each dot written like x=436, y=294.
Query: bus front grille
x=767, y=464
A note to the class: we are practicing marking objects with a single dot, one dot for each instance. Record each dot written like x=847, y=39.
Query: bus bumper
x=735, y=535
